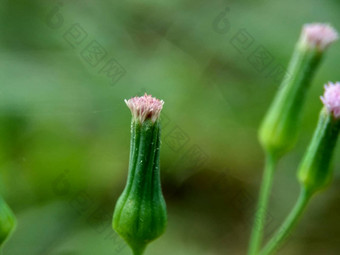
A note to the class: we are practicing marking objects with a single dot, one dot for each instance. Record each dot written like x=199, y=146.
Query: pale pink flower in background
x=331, y=98
x=318, y=35
x=145, y=107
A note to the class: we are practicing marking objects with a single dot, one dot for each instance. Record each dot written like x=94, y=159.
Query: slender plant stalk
x=279, y=129
x=315, y=169
x=260, y=215
x=138, y=251
x=288, y=225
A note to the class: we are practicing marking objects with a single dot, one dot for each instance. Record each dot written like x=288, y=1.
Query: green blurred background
x=66, y=67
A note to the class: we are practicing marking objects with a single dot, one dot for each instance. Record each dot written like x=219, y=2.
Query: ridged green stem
x=280, y=126
x=140, y=213
x=315, y=171
x=261, y=211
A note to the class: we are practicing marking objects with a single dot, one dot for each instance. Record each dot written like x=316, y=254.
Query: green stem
x=260, y=215
x=289, y=224
x=138, y=249
x=138, y=252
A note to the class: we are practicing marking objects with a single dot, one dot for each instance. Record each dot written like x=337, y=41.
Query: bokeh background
x=65, y=68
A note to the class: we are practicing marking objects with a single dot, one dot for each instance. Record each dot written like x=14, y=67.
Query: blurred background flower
x=66, y=67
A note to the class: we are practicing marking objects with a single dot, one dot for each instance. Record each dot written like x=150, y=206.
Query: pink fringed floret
x=331, y=98
x=145, y=107
x=319, y=35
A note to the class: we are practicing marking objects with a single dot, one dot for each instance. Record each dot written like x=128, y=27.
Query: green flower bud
x=140, y=213
x=280, y=127
x=315, y=171
x=7, y=221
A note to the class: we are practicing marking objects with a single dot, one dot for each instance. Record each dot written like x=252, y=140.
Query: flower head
x=331, y=98
x=145, y=107
x=318, y=35
x=140, y=214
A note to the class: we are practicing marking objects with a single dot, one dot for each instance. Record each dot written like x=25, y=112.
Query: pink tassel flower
x=145, y=107
x=318, y=35
x=331, y=98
